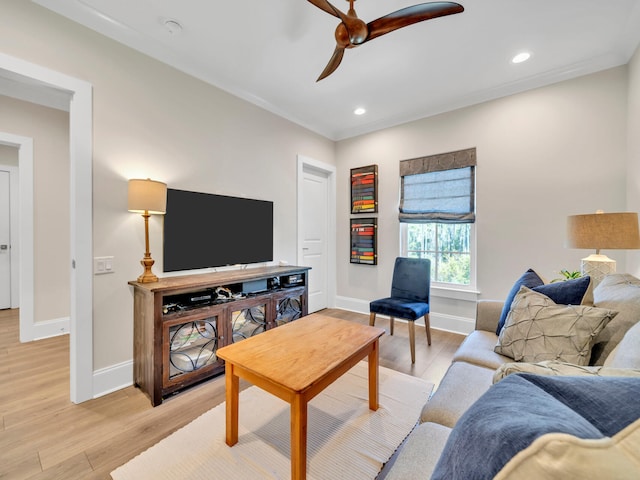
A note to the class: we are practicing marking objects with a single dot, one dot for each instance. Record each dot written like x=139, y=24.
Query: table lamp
x=602, y=231
x=147, y=197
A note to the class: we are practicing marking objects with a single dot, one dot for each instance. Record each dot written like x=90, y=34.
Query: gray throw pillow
x=538, y=329
x=627, y=352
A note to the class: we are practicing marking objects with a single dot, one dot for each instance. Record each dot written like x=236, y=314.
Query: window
x=437, y=214
x=447, y=245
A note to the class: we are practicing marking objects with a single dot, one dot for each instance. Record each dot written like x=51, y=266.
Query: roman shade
x=438, y=188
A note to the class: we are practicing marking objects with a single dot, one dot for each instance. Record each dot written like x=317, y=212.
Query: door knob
x=4, y=247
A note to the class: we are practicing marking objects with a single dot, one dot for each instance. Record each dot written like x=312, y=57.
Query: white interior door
x=5, y=245
x=315, y=227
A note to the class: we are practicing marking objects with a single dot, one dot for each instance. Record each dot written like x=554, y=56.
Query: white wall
x=153, y=121
x=633, y=147
x=542, y=155
x=49, y=129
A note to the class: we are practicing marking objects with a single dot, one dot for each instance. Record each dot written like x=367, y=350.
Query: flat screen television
x=204, y=230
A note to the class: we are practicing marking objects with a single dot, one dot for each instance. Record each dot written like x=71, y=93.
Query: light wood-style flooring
x=45, y=436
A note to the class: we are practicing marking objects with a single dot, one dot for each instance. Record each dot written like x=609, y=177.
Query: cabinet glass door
x=288, y=309
x=247, y=322
x=192, y=345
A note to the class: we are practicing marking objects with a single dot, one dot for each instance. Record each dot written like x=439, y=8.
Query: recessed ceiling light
x=521, y=57
x=359, y=111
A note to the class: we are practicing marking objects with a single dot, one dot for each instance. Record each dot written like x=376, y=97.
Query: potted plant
x=567, y=275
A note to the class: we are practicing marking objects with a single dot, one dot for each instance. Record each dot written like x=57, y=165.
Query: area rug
x=345, y=440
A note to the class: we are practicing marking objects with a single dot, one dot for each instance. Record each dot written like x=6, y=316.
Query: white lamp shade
x=147, y=196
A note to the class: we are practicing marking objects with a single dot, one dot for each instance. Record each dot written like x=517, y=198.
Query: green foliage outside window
x=448, y=247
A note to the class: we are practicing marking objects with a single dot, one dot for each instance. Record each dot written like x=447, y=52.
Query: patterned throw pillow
x=538, y=329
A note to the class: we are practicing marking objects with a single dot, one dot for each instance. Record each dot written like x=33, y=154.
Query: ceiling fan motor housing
x=347, y=37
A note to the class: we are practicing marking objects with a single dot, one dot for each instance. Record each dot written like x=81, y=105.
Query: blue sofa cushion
x=522, y=407
x=528, y=279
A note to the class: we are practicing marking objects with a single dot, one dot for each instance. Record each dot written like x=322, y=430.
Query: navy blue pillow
x=570, y=292
x=529, y=279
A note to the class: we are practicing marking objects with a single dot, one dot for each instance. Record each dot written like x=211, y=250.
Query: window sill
x=456, y=293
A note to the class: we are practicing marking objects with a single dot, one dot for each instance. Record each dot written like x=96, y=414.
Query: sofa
x=495, y=415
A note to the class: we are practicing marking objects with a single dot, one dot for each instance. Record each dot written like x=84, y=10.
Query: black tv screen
x=203, y=230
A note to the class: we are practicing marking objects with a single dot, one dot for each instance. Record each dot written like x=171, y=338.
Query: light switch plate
x=103, y=265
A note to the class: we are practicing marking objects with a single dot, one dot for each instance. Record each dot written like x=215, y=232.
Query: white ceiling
x=270, y=52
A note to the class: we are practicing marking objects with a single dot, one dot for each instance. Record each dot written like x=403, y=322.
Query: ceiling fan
x=352, y=31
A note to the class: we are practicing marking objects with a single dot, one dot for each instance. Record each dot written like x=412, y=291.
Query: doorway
x=81, y=214
x=5, y=239
x=316, y=230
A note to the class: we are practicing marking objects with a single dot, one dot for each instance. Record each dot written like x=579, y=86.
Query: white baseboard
x=440, y=321
x=113, y=378
x=50, y=328
x=352, y=304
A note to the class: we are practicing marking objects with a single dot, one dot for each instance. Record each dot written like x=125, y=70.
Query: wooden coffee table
x=295, y=362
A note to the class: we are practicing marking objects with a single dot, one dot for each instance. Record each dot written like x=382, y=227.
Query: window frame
x=472, y=287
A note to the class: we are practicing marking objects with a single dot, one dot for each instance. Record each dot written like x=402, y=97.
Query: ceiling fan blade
x=410, y=15
x=336, y=58
x=327, y=7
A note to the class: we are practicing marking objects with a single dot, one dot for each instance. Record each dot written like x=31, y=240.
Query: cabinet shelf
x=179, y=323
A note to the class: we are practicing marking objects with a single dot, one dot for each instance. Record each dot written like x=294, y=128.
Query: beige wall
x=633, y=146
x=153, y=121
x=49, y=129
x=542, y=155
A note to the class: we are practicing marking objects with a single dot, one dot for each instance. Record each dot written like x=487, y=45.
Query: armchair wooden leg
x=427, y=326
x=372, y=319
x=412, y=340
x=391, y=322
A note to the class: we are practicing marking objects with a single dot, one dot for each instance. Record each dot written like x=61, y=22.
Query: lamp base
x=147, y=276
x=597, y=267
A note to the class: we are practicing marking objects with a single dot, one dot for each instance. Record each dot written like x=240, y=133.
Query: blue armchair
x=409, y=298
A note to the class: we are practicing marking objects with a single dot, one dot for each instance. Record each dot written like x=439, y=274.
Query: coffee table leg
x=373, y=377
x=299, y=438
x=232, y=384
